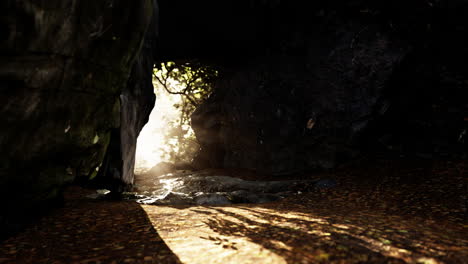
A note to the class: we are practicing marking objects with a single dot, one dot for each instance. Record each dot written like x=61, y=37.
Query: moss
x=88, y=159
x=94, y=173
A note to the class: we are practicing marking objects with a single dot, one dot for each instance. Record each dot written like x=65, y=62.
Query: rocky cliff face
x=137, y=101
x=63, y=67
x=290, y=111
x=319, y=84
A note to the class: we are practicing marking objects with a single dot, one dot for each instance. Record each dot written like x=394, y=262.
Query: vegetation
x=193, y=82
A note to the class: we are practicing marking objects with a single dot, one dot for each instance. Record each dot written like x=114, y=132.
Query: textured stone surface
x=319, y=84
x=63, y=65
x=189, y=188
x=137, y=101
x=282, y=114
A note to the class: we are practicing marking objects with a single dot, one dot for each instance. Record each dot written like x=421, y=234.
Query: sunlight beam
x=194, y=242
x=152, y=143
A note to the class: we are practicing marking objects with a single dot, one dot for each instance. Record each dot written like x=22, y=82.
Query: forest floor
x=382, y=211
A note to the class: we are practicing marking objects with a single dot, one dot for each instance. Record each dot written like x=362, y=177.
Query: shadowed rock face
x=283, y=114
x=301, y=106
x=137, y=100
x=320, y=83
x=63, y=67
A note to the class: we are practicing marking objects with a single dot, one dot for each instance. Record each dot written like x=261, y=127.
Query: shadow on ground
x=413, y=212
x=409, y=214
x=319, y=237
x=89, y=231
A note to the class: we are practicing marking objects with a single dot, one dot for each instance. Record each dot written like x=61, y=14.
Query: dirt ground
x=382, y=211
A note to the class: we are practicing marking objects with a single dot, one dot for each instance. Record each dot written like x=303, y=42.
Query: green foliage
x=193, y=82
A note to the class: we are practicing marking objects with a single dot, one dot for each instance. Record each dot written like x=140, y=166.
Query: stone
x=212, y=199
x=178, y=188
x=325, y=184
x=63, y=67
x=259, y=116
x=137, y=100
x=242, y=196
x=318, y=85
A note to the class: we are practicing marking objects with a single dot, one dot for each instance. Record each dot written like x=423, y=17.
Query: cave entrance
x=168, y=139
x=167, y=145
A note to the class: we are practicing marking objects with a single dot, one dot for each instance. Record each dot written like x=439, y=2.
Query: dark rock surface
x=325, y=183
x=136, y=101
x=280, y=114
x=318, y=85
x=189, y=188
x=63, y=66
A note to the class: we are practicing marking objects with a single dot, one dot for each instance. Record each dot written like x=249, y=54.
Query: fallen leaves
x=106, y=232
x=412, y=213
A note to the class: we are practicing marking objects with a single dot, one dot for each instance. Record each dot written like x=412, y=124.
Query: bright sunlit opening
x=168, y=137
x=153, y=144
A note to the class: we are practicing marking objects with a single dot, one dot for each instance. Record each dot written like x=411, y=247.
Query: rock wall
x=319, y=84
x=284, y=113
x=63, y=66
x=137, y=101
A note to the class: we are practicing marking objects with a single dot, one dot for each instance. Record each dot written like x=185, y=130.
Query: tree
x=193, y=82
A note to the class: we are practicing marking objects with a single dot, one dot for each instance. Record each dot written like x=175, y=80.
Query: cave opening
x=168, y=138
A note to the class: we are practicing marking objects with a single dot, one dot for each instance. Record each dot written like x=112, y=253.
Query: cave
x=328, y=132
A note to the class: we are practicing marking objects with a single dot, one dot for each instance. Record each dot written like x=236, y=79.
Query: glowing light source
x=152, y=147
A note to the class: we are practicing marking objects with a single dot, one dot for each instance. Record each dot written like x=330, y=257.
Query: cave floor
x=413, y=212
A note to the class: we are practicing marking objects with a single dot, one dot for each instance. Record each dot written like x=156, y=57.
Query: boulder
x=63, y=68
x=212, y=199
x=180, y=188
